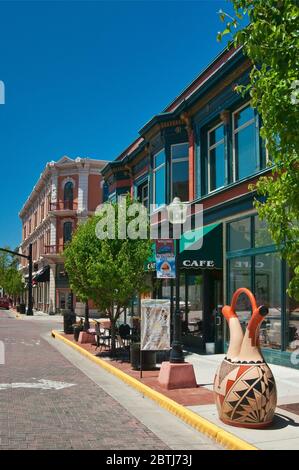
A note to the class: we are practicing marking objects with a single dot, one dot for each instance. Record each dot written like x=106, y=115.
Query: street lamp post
x=176, y=373
x=177, y=214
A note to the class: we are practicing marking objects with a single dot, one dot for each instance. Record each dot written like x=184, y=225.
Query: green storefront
x=253, y=261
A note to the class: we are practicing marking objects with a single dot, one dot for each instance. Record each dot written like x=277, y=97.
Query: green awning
x=192, y=239
x=202, y=248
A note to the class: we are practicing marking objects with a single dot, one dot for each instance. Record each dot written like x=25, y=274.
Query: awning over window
x=199, y=249
x=43, y=275
x=202, y=248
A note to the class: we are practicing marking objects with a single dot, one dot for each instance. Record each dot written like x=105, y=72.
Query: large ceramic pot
x=244, y=386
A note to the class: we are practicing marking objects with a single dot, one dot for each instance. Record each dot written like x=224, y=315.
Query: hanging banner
x=165, y=259
x=155, y=325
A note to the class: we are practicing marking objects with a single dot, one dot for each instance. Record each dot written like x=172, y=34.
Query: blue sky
x=82, y=78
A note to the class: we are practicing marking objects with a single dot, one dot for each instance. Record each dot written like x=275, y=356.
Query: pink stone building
x=67, y=192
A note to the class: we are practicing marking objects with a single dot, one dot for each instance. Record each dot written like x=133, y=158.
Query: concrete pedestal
x=174, y=376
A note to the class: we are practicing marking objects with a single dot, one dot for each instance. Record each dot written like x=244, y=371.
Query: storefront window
x=180, y=171
x=142, y=193
x=240, y=276
x=239, y=234
x=244, y=142
x=195, y=304
x=262, y=236
x=159, y=179
x=216, y=158
x=292, y=321
x=268, y=292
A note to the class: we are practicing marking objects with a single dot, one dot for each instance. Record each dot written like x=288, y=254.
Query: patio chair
x=101, y=338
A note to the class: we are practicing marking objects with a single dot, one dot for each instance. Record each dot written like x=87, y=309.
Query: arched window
x=67, y=232
x=68, y=195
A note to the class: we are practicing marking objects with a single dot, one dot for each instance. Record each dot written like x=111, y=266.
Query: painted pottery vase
x=244, y=386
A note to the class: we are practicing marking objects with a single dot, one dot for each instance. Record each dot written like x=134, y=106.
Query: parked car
x=4, y=303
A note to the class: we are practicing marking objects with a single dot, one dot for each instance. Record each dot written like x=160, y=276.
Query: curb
x=213, y=431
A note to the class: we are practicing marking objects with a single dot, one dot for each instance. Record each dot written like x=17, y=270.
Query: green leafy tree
x=108, y=271
x=271, y=41
x=10, y=277
x=13, y=284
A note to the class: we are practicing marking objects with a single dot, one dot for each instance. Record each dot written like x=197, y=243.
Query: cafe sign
x=194, y=263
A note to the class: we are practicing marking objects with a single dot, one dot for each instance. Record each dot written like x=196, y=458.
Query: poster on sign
x=155, y=325
x=165, y=259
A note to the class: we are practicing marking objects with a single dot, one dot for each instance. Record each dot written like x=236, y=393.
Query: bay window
x=159, y=173
x=245, y=142
x=180, y=171
x=142, y=193
x=216, y=158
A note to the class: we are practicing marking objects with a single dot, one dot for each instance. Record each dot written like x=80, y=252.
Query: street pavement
x=52, y=397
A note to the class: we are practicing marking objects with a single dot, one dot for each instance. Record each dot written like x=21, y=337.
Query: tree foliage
x=10, y=277
x=108, y=271
x=271, y=41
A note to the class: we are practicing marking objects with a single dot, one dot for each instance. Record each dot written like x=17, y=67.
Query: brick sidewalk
x=82, y=416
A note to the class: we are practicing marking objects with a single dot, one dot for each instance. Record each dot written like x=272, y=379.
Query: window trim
x=211, y=147
x=235, y=132
x=155, y=170
x=173, y=162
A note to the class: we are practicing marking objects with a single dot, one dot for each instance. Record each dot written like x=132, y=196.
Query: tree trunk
x=86, y=319
x=113, y=337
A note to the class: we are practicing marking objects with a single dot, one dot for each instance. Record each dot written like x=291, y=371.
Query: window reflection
x=239, y=234
x=268, y=292
x=159, y=179
x=180, y=171
x=244, y=142
x=216, y=158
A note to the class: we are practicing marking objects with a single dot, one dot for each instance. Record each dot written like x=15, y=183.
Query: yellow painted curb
x=222, y=437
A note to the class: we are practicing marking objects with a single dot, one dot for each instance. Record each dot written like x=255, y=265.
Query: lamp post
x=177, y=215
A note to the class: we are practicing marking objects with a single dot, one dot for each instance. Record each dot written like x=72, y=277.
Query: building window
x=262, y=236
x=244, y=142
x=216, y=158
x=42, y=211
x=67, y=232
x=292, y=333
x=240, y=234
x=142, y=193
x=180, y=171
x=159, y=179
x=240, y=276
x=260, y=270
x=267, y=289
x=68, y=195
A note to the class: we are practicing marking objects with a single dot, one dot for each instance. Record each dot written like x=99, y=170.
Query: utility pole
x=30, y=268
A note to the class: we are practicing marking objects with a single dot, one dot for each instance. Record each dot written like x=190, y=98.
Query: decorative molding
x=67, y=180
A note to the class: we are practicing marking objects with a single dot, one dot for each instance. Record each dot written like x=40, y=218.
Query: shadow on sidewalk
x=282, y=421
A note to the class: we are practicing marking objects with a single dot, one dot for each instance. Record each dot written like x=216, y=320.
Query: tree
x=10, y=277
x=271, y=41
x=13, y=285
x=110, y=271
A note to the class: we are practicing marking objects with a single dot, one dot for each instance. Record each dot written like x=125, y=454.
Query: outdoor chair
x=125, y=333
x=102, y=339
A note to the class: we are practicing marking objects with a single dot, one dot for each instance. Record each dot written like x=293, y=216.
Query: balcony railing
x=63, y=206
x=53, y=249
